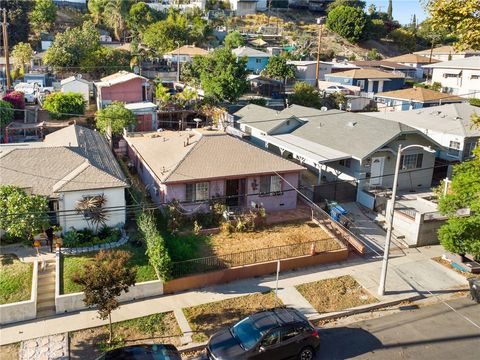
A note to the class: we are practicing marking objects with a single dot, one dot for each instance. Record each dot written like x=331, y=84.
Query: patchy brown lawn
x=10, y=352
x=335, y=294
x=274, y=235
x=207, y=319
x=447, y=264
x=157, y=328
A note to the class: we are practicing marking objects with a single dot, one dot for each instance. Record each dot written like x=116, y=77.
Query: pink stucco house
x=122, y=86
x=193, y=167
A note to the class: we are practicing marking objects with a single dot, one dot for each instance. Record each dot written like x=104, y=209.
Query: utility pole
x=320, y=31
x=5, y=48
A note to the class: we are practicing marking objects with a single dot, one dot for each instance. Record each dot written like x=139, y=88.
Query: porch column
x=370, y=86
x=380, y=86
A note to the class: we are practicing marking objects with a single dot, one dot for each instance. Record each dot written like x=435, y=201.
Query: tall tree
x=105, y=61
x=42, y=16
x=21, y=215
x=277, y=68
x=71, y=46
x=140, y=16
x=104, y=280
x=166, y=35
x=347, y=21
x=114, y=16
x=353, y=3
x=22, y=54
x=459, y=17
x=115, y=116
x=17, y=14
x=461, y=234
x=222, y=77
x=234, y=40
x=96, y=9
x=390, y=10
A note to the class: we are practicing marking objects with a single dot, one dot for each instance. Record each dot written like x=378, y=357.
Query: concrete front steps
x=46, y=289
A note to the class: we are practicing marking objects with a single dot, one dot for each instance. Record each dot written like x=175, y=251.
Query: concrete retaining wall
x=249, y=271
x=74, y=302
x=23, y=310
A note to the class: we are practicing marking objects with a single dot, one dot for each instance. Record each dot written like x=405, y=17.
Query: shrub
x=348, y=22
x=71, y=238
x=474, y=102
x=6, y=113
x=16, y=98
x=64, y=105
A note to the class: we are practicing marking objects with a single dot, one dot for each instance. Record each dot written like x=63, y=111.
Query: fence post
x=276, y=282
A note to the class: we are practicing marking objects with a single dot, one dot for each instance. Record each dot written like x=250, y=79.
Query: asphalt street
x=430, y=332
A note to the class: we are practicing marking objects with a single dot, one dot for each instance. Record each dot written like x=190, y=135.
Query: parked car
x=280, y=333
x=32, y=90
x=143, y=352
x=336, y=88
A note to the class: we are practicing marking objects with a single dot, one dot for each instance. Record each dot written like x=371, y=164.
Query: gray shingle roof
x=70, y=159
x=249, y=52
x=472, y=62
x=260, y=117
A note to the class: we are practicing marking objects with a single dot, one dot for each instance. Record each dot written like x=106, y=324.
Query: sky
x=402, y=9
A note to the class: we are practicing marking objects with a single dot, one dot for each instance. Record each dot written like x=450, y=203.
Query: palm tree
x=93, y=210
x=114, y=17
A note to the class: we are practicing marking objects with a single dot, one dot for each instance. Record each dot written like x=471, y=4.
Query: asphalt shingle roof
x=472, y=62
x=249, y=52
x=419, y=94
x=366, y=74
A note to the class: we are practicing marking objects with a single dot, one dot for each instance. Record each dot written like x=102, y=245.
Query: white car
x=31, y=91
x=335, y=89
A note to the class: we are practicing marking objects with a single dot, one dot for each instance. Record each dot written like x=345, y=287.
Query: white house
x=306, y=71
x=458, y=77
x=78, y=85
x=185, y=53
x=243, y=7
x=447, y=53
x=450, y=125
x=415, y=61
x=70, y=165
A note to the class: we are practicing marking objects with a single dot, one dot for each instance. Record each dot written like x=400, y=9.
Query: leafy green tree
x=65, y=105
x=71, y=46
x=373, y=54
x=347, y=21
x=390, y=10
x=96, y=9
x=140, y=16
x=460, y=17
x=306, y=95
x=114, y=16
x=165, y=35
x=22, y=215
x=157, y=253
x=353, y=3
x=234, y=40
x=162, y=94
x=17, y=15
x=277, y=68
x=105, y=61
x=22, y=54
x=6, y=114
x=115, y=116
x=222, y=77
x=404, y=38
x=376, y=29
x=42, y=16
x=461, y=234
x=200, y=31
x=104, y=280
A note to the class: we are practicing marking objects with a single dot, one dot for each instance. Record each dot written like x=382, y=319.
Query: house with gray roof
x=337, y=145
x=195, y=167
x=256, y=60
x=450, y=125
x=71, y=164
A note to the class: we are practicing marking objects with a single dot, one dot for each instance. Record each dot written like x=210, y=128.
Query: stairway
x=46, y=289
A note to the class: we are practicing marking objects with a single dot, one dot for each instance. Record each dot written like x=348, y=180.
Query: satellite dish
x=323, y=108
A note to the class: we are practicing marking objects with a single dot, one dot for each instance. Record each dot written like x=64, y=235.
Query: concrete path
x=27, y=253
x=291, y=297
x=46, y=288
x=401, y=283
x=369, y=231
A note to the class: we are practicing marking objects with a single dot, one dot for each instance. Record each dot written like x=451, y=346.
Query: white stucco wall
x=77, y=87
x=463, y=85
x=115, y=198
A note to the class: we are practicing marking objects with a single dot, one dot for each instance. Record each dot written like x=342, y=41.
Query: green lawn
x=74, y=264
x=15, y=279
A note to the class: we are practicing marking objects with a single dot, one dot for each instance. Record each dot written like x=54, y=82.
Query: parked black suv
x=280, y=333
x=143, y=352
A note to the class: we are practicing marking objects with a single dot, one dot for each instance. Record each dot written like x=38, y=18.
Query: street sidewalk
x=408, y=275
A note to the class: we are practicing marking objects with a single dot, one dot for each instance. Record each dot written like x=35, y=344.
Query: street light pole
x=320, y=31
x=178, y=62
x=390, y=213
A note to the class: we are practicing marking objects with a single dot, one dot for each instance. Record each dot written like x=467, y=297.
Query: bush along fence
x=112, y=245
x=215, y=263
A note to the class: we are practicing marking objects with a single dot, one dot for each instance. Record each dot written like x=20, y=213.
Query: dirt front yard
x=270, y=236
x=335, y=294
x=209, y=318
x=159, y=328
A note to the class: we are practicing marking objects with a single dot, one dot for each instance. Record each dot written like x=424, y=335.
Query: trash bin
x=474, y=289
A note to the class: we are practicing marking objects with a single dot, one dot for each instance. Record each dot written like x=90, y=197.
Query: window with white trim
x=411, y=161
x=270, y=185
x=196, y=192
x=346, y=162
x=454, y=148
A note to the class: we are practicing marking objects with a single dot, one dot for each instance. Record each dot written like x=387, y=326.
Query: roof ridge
x=71, y=175
x=184, y=157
